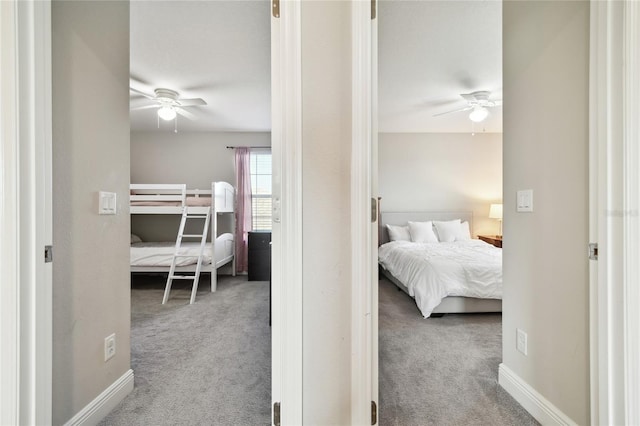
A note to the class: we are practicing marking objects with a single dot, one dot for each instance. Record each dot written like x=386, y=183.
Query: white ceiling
x=215, y=50
x=429, y=53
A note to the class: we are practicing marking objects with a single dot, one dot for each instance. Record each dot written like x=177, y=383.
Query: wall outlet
x=109, y=347
x=521, y=341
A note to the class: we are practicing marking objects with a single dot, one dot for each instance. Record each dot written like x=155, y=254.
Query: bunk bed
x=176, y=199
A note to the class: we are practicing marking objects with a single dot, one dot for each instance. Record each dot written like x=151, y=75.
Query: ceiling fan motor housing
x=167, y=96
x=479, y=98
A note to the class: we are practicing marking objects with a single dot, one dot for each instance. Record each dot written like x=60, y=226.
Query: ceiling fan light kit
x=478, y=114
x=169, y=104
x=478, y=102
x=167, y=113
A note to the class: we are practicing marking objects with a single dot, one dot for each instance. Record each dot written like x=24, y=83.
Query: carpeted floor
x=441, y=371
x=209, y=363
x=203, y=364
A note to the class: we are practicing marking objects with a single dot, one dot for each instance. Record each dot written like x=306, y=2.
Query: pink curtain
x=243, y=211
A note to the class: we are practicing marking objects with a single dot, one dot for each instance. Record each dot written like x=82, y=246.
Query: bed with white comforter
x=433, y=271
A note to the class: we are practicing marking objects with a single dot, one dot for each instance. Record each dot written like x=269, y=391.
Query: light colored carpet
x=441, y=371
x=209, y=363
x=203, y=364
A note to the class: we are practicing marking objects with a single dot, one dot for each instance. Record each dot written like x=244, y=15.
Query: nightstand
x=496, y=240
x=259, y=252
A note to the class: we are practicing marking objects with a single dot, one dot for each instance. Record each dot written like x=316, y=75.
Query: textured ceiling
x=429, y=53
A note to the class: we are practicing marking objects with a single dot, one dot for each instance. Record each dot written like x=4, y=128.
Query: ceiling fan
x=478, y=102
x=168, y=103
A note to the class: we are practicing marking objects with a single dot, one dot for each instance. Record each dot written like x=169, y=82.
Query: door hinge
x=374, y=210
x=48, y=254
x=373, y=9
x=593, y=251
x=275, y=8
x=276, y=413
x=374, y=413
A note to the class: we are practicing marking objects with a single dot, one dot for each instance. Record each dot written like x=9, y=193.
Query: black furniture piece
x=259, y=256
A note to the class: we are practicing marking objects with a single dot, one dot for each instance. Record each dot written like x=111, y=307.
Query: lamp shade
x=495, y=211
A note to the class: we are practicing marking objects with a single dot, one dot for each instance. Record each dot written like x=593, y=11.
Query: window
x=261, y=190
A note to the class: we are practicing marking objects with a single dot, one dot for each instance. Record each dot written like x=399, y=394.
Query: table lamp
x=495, y=212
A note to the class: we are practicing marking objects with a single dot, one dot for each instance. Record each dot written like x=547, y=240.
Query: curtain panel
x=243, y=211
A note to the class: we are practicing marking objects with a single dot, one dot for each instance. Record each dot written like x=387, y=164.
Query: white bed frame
x=450, y=304
x=222, y=196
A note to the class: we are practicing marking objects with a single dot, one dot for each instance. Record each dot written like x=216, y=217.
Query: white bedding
x=433, y=271
x=161, y=254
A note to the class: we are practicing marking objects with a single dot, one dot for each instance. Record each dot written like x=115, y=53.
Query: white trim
x=102, y=405
x=361, y=225
x=614, y=194
x=597, y=126
x=537, y=405
x=286, y=134
x=9, y=214
x=43, y=210
x=631, y=217
x=375, y=192
x=26, y=210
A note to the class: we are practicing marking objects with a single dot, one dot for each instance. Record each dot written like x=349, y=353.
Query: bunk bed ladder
x=203, y=241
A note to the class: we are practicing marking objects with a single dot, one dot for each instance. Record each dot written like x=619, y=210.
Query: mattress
x=433, y=271
x=161, y=254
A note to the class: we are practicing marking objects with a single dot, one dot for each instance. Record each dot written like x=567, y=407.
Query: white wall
x=91, y=295
x=326, y=262
x=442, y=171
x=193, y=158
x=546, y=121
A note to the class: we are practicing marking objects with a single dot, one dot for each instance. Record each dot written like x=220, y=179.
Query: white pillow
x=465, y=232
x=448, y=231
x=135, y=239
x=422, y=232
x=398, y=233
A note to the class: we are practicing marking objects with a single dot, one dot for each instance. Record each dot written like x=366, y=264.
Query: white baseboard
x=102, y=405
x=537, y=405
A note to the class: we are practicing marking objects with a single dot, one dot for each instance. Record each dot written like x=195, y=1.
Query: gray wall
x=193, y=158
x=546, y=122
x=326, y=261
x=442, y=171
x=90, y=153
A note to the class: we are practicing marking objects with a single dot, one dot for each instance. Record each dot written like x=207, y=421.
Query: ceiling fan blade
x=191, y=102
x=145, y=107
x=467, y=108
x=185, y=113
x=497, y=103
x=146, y=95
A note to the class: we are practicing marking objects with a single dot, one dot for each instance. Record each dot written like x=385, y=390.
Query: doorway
x=439, y=64
x=216, y=60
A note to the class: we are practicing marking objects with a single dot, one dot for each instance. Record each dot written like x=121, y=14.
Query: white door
x=25, y=212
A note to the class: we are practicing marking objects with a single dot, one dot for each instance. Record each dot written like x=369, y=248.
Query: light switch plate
x=524, y=200
x=107, y=202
